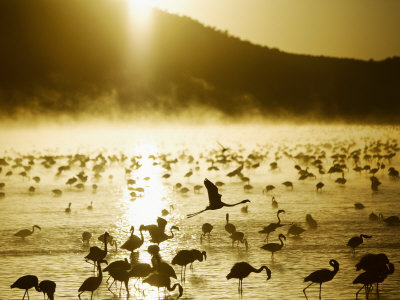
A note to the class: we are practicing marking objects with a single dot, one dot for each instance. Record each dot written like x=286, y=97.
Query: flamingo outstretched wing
x=213, y=196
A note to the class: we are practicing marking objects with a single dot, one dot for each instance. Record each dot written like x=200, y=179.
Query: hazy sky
x=345, y=28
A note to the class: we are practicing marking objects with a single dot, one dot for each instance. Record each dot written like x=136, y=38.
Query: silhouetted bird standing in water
x=273, y=247
x=162, y=280
x=206, y=228
x=92, y=283
x=272, y=226
x=26, y=232
x=319, y=186
x=321, y=276
x=311, y=222
x=241, y=270
x=214, y=198
x=47, y=287
x=25, y=283
x=96, y=254
x=229, y=227
x=356, y=241
x=134, y=242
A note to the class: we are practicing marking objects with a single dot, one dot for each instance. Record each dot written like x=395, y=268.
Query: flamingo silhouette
x=321, y=276
x=214, y=199
x=271, y=227
x=273, y=247
x=140, y=270
x=48, y=288
x=25, y=283
x=206, y=228
x=117, y=264
x=26, y=232
x=134, y=242
x=92, y=283
x=356, y=241
x=162, y=280
x=238, y=236
x=229, y=227
x=241, y=270
x=96, y=254
x=68, y=209
x=185, y=257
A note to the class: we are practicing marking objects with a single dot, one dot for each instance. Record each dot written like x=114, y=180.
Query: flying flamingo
x=241, y=270
x=214, y=198
x=321, y=276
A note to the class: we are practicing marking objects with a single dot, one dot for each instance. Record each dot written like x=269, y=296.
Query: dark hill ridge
x=63, y=56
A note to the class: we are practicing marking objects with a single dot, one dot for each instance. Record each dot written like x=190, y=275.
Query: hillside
x=75, y=57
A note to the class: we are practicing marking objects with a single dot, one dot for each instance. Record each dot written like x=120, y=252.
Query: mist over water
x=57, y=253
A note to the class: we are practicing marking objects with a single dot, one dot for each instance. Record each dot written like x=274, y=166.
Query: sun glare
x=141, y=11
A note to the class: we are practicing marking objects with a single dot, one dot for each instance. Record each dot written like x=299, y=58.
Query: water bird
x=272, y=226
x=31, y=189
x=375, y=183
x=369, y=278
x=244, y=209
x=238, y=236
x=197, y=188
x=206, y=228
x=36, y=179
x=373, y=217
x=274, y=203
x=321, y=276
x=288, y=184
x=47, y=287
x=86, y=236
x=90, y=207
x=25, y=283
x=214, y=199
x=161, y=280
x=57, y=192
x=241, y=270
x=311, y=222
x=273, y=247
x=319, y=186
x=185, y=257
x=372, y=262
x=134, y=242
x=295, y=230
x=117, y=264
x=92, y=283
x=119, y=274
x=268, y=188
x=140, y=270
x=68, y=209
x=229, y=227
x=26, y=232
x=359, y=205
x=356, y=241
x=341, y=180
x=96, y=254
x=391, y=221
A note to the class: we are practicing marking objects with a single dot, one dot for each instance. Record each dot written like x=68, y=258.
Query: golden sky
x=344, y=28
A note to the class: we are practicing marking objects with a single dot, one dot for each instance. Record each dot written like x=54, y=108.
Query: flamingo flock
x=160, y=273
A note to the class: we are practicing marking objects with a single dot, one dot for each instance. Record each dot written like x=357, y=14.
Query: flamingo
x=26, y=232
x=134, y=242
x=273, y=247
x=96, y=254
x=185, y=257
x=25, y=283
x=239, y=237
x=295, y=230
x=274, y=202
x=159, y=236
x=319, y=186
x=47, y=287
x=92, y=283
x=214, y=199
x=356, y=241
x=321, y=276
x=86, y=236
x=206, y=229
x=311, y=222
x=241, y=270
x=229, y=227
x=271, y=227
x=68, y=209
x=117, y=264
x=162, y=280
x=140, y=270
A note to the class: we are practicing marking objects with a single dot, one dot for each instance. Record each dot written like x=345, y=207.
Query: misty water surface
x=56, y=252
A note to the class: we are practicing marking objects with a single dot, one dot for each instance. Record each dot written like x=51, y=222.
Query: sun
x=141, y=11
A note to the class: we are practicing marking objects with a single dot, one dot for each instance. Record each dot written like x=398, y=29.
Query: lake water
x=57, y=253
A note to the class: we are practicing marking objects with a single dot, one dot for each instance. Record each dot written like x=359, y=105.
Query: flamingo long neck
x=172, y=234
x=281, y=239
x=260, y=269
x=33, y=229
x=169, y=288
x=335, y=269
x=141, y=236
x=105, y=243
x=229, y=205
x=100, y=276
x=279, y=219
